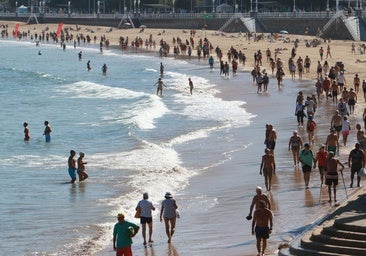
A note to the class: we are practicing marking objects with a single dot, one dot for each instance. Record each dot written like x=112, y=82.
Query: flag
x=16, y=30
x=59, y=29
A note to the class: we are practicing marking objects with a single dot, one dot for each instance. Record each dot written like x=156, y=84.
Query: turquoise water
x=134, y=141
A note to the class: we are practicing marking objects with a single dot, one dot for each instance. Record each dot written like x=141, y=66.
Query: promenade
x=341, y=232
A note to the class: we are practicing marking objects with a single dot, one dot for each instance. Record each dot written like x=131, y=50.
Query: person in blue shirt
x=123, y=232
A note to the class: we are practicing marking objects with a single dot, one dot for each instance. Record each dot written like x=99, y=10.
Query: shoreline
x=232, y=96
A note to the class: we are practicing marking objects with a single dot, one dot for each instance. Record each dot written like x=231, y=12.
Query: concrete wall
x=263, y=25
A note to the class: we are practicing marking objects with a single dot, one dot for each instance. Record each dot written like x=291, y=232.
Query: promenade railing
x=308, y=15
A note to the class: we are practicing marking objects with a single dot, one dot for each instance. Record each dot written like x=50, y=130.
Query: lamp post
x=251, y=6
x=98, y=10
x=16, y=9
x=134, y=6
x=256, y=5
x=213, y=6
x=173, y=6
x=294, y=9
x=138, y=6
x=68, y=8
x=327, y=6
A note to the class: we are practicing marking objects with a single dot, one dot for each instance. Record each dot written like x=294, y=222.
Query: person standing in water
x=104, y=69
x=72, y=166
x=88, y=66
x=26, y=131
x=47, y=131
x=161, y=69
x=159, y=89
x=190, y=85
x=81, y=167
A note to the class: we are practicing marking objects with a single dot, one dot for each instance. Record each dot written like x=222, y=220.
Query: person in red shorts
x=123, y=232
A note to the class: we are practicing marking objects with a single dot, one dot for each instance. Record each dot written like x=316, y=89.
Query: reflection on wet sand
x=171, y=251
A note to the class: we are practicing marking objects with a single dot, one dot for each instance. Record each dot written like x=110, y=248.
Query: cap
x=168, y=195
x=295, y=131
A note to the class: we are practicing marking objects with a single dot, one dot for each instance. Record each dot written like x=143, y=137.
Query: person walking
x=356, y=161
x=267, y=168
x=169, y=213
x=123, y=232
x=331, y=177
x=255, y=201
x=146, y=206
x=321, y=159
x=306, y=158
x=295, y=144
x=262, y=225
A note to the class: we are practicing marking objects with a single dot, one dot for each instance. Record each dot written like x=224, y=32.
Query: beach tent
x=224, y=8
x=22, y=9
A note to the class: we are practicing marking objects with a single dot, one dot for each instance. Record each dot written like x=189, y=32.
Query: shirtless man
x=267, y=168
x=26, y=131
x=271, y=137
x=72, y=166
x=336, y=123
x=262, y=218
x=255, y=202
x=352, y=99
x=190, y=83
x=332, y=143
x=331, y=177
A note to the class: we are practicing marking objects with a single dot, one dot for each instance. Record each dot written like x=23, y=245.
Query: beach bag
x=362, y=172
x=138, y=213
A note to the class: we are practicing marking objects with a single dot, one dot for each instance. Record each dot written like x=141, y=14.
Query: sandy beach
x=287, y=199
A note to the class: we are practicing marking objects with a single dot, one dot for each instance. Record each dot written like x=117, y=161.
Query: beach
x=229, y=185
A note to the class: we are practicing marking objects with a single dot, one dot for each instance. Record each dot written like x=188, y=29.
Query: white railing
x=184, y=15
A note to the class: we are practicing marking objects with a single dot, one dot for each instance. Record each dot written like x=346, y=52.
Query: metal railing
x=322, y=14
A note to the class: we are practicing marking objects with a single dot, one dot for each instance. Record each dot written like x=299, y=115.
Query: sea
x=204, y=148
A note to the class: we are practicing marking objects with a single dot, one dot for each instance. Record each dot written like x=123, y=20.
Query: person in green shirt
x=306, y=158
x=122, y=236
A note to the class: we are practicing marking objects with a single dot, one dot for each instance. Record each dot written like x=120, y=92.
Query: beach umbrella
x=143, y=26
x=283, y=32
x=127, y=24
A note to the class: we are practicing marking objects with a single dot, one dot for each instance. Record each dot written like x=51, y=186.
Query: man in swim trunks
x=352, y=99
x=72, y=166
x=261, y=219
x=336, y=122
x=356, y=161
x=331, y=177
x=47, y=131
x=267, y=168
x=332, y=143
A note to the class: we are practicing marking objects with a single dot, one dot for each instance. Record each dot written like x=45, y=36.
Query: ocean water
x=133, y=140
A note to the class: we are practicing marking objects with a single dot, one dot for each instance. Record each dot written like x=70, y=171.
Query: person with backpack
x=310, y=128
